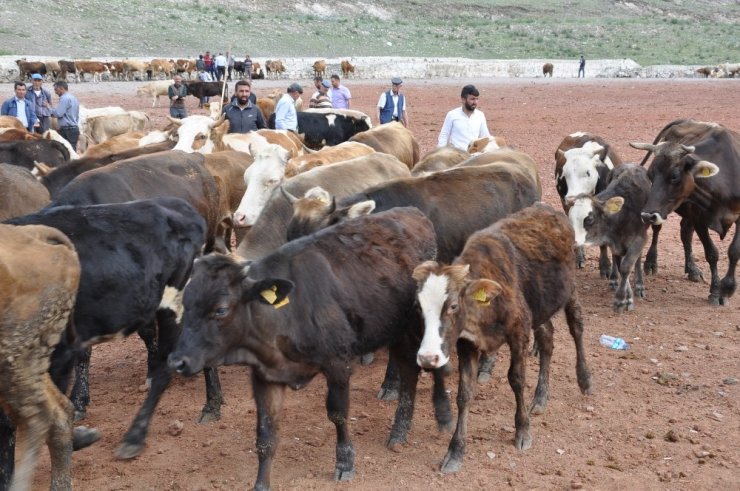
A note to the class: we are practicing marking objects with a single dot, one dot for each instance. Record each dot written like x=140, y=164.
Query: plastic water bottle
x=613, y=343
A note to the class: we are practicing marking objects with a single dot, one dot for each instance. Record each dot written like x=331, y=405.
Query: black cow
x=25, y=152
x=612, y=218
x=320, y=129
x=66, y=68
x=135, y=257
x=683, y=174
x=199, y=89
x=239, y=69
x=301, y=311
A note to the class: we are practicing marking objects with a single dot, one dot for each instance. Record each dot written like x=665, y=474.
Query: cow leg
x=389, y=387
x=148, y=334
x=337, y=410
x=651, y=258
x=712, y=256
x=467, y=355
x=543, y=335
x=485, y=367
x=214, y=397
x=269, y=400
x=59, y=437
x=574, y=318
x=409, y=375
x=727, y=286
x=441, y=399
x=690, y=267
x=580, y=257
x=80, y=395
x=639, y=282
x=516, y=375
x=7, y=450
x=133, y=441
x=604, y=264
x=614, y=272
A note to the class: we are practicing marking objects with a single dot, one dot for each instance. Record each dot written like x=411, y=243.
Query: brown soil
x=677, y=379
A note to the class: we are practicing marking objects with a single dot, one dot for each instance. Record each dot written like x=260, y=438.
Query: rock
x=560, y=451
x=491, y=455
x=729, y=381
x=682, y=348
x=665, y=378
x=576, y=485
x=701, y=453
x=175, y=427
x=671, y=436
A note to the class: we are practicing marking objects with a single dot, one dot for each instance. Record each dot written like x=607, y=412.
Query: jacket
x=10, y=108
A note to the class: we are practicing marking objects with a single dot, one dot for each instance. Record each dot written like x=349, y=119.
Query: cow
x=547, y=70
x=12, y=134
x=687, y=159
x=53, y=69
x=254, y=141
x=101, y=128
x=67, y=67
x=319, y=68
x=116, y=69
x=582, y=164
x=27, y=68
x=130, y=67
x=25, y=153
x=155, y=89
x=36, y=299
x=486, y=144
x=301, y=311
x=347, y=68
x=327, y=155
x=257, y=73
x=11, y=122
x=437, y=160
x=508, y=156
x=53, y=135
x=202, y=90
x=392, y=138
x=96, y=68
x=185, y=66
x=20, y=192
x=161, y=66
x=267, y=106
x=319, y=128
x=135, y=257
x=113, y=145
x=239, y=70
x=274, y=67
x=510, y=278
x=612, y=218
x=228, y=169
x=705, y=71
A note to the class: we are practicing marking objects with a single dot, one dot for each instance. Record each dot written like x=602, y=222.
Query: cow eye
x=675, y=177
x=588, y=173
x=274, y=181
x=589, y=220
x=221, y=312
x=454, y=307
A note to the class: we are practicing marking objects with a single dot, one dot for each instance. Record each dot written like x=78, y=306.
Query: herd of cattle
x=453, y=250
x=154, y=69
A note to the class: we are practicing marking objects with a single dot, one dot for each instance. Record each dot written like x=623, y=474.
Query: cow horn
x=174, y=121
x=644, y=146
x=688, y=148
x=308, y=150
x=43, y=169
x=291, y=199
x=219, y=121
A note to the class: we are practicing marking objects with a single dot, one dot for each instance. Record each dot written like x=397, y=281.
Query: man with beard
x=464, y=124
x=243, y=115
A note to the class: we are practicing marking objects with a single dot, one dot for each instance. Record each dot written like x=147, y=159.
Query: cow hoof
x=640, y=292
x=650, y=269
x=83, y=437
x=484, y=377
x=523, y=440
x=695, y=275
x=367, y=359
x=445, y=426
x=128, y=451
x=80, y=415
x=537, y=408
x=388, y=394
x=580, y=263
x=340, y=475
x=613, y=284
x=451, y=464
x=209, y=415
x=713, y=299
x=724, y=301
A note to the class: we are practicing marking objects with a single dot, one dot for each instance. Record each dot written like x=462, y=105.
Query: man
x=248, y=68
x=464, y=124
x=68, y=113
x=243, y=115
x=321, y=100
x=232, y=62
x=316, y=83
x=21, y=108
x=36, y=95
x=392, y=104
x=177, y=93
x=340, y=95
x=582, y=67
x=220, y=62
x=285, y=113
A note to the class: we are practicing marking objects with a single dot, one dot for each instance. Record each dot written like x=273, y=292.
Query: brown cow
x=319, y=68
x=347, y=68
x=185, y=66
x=227, y=169
x=327, y=155
x=257, y=72
x=36, y=298
x=487, y=298
x=20, y=192
x=439, y=159
x=27, y=68
x=547, y=70
x=507, y=156
x=394, y=139
x=11, y=122
x=160, y=65
x=96, y=68
x=267, y=106
x=274, y=67
x=113, y=145
x=66, y=68
x=116, y=69
x=486, y=144
x=11, y=134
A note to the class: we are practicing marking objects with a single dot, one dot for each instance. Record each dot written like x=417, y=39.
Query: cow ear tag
x=480, y=296
x=706, y=171
x=270, y=296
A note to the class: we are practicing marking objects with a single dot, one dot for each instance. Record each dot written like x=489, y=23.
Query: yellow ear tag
x=480, y=296
x=283, y=303
x=322, y=200
x=269, y=295
x=706, y=172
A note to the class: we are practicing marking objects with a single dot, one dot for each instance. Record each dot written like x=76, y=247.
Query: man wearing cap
x=19, y=107
x=392, y=104
x=36, y=95
x=285, y=113
x=243, y=115
x=68, y=113
x=321, y=100
x=177, y=93
x=464, y=124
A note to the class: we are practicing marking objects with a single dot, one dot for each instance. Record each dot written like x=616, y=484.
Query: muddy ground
x=663, y=415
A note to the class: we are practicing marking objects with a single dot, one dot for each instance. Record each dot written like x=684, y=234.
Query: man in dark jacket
x=19, y=107
x=243, y=115
x=177, y=93
x=37, y=95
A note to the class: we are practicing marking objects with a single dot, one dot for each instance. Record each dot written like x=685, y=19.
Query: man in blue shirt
x=285, y=113
x=68, y=113
x=19, y=107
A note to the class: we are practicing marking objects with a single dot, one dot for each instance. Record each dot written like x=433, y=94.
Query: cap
x=294, y=87
x=396, y=81
x=325, y=83
x=36, y=76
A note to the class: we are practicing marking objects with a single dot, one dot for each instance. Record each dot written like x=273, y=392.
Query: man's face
x=395, y=88
x=178, y=81
x=242, y=94
x=20, y=91
x=294, y=95
x=58, y=91
x=335, y=82
x=470, y=102
x=37, y=83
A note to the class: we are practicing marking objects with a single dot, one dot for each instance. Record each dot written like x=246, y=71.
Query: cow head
x=265, y=174
x=581, y=170
x=592, y=218
x=673, y=172
x=218, y=304
x=318, y=209
x=198, y=133
x=486, y=144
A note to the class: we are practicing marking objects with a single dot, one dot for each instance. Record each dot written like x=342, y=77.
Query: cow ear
x=360, y=209
x=219, y=121
x=613, y=205
x=603, y=152
x=458, y=273
x=704, y=168
x=482, y=291
x=422, y=271
x=319, y=194
x=271, y=292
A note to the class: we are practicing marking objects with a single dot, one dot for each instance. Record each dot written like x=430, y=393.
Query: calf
x=329, y=127
x=155, y=89
x=511, y=277
x=301, y=311
x=612, y=218
x=201, y=90
x=97, y=68
x=347, y=68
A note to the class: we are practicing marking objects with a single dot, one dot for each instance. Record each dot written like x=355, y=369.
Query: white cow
x=265, y=174
x=155, y=89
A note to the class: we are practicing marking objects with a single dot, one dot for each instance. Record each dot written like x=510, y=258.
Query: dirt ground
x=663, y=415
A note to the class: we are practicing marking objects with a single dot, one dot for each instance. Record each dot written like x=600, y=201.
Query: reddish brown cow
x=547, y=70
x=96, y=68
x=319, y=68
x=26, y=68
x=347, y=68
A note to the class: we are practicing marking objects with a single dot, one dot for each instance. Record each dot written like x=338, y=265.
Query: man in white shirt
x=392, y=104
x=464, y=124
x=285, y=113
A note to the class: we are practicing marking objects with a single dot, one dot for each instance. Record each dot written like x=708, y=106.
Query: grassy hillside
x=648, y=31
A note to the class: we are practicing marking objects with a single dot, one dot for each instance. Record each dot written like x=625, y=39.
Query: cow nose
x=427, y=360
x=240, y=219
x=176, y=363
x=570, y=200
x=649, y=217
